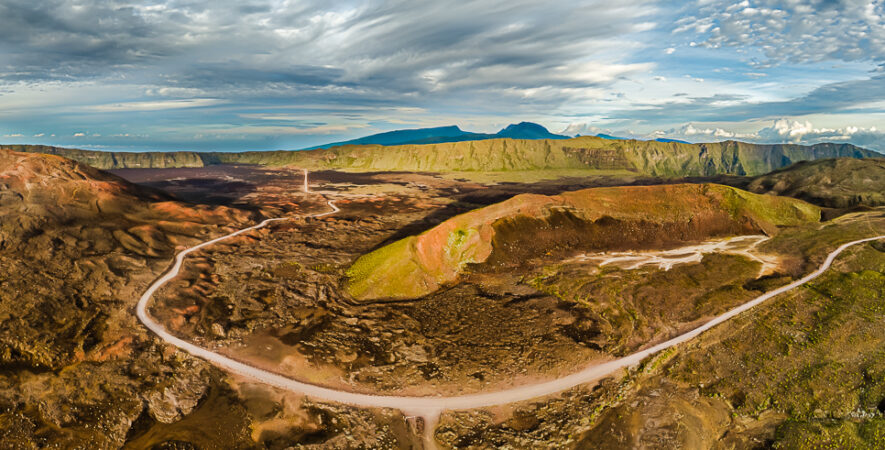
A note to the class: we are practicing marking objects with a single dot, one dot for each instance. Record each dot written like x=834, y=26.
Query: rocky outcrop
x=119, y=160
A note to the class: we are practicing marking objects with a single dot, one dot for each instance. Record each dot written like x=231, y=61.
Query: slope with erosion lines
x=527, y=226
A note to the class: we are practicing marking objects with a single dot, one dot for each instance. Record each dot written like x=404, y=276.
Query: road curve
x=430, y=407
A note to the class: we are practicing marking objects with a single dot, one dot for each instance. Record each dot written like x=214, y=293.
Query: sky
x=232, y=75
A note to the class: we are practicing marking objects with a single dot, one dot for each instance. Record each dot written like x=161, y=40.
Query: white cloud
x=795, y=131
x=158, y=105
x=279, y=130
x=79, y=134
x=780, y=131
x=583, y=129
x=175, y=92
x=669, y=51
x=792, y=31
x=690, y=131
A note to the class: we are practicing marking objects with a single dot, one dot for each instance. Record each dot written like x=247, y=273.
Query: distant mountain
x=611, y=138
x=528, y=130
x=437, y=135
x=399, y=137
x=668, y=140
x=663, y=140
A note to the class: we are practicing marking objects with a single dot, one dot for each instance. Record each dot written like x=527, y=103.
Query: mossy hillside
x=680, y=201
x=831, y=434
x=767, y=211
x=804, y=248
x=805, y=370
x=385, y=272
x=417, y=265
x=441, y=254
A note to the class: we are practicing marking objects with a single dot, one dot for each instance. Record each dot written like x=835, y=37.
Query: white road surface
x=429, y=407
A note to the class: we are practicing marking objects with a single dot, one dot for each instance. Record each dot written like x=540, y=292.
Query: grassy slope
x=583, y=153
x=421, y=264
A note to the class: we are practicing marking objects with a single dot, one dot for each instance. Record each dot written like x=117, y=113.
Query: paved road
x=430, y=407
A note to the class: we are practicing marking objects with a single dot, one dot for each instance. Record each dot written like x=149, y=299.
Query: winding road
x=430, y=407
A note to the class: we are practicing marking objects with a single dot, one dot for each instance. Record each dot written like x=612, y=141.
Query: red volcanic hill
x=528, y=225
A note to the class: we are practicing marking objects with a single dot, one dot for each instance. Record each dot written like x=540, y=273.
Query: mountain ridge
x=672, y=159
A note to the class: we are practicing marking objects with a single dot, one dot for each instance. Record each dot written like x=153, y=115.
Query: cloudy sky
x=269, y=74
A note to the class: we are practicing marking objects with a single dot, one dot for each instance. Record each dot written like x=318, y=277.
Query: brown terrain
x=516, y=305
x=77, y=248
x=281, y=301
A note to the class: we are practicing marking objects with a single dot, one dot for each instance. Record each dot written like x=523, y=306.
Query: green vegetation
x=768, y=210
x=815, y=357
x=831, y=434
x=384, y=266
x=810, y=245
x=457, y=247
